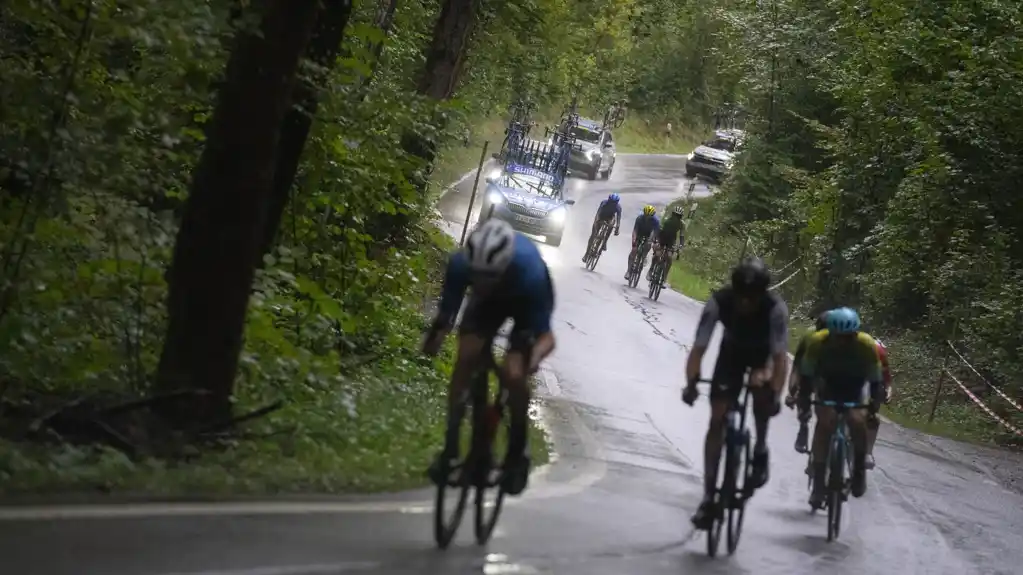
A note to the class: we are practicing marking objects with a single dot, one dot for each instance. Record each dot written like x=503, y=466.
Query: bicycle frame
x=836, y=482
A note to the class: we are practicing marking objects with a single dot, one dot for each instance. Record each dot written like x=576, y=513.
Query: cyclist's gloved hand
x=888, y=394
x=690, y=393
x=616, y=231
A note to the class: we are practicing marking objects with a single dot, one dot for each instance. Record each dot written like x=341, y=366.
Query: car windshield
x=723, y=144
x=531, y=184
x=585, y=135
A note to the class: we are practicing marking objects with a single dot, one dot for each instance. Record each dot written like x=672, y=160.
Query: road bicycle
x=839, y=462
x=637, y=262
x=733, y=490
x=596, y=245
x=659, y=273
x=477, y=470
x=615, y=115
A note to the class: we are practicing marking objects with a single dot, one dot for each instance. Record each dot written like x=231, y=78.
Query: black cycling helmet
x=822, y=320
x=750, y=277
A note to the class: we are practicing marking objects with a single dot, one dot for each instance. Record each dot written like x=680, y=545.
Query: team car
x=715, y=157
x=593, y=149
x=528, y=191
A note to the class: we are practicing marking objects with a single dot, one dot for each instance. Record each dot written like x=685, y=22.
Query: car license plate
x=526, y=219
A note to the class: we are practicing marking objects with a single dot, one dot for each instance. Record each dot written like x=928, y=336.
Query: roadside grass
x=712, y=248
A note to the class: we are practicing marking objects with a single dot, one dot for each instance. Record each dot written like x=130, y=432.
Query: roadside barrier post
x=941, y=377
x=472, y=198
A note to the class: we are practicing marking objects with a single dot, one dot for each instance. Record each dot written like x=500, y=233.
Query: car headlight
x=495, y=197
x=558, y=215
x=495, y=174
x=592, y=154
x=689, y=156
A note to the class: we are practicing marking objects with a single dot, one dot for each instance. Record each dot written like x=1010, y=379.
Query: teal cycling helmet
x=843, y=320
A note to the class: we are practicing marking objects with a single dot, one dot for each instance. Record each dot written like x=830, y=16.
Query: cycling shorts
x=847, y=391
x=730, y=370
x=484, y=317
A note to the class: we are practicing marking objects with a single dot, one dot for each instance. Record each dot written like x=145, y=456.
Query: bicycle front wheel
x=487, y=477
x=452, y=496
x=742, y=460
x=836, y=486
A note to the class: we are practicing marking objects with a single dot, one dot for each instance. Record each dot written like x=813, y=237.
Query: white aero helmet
x=490, y=247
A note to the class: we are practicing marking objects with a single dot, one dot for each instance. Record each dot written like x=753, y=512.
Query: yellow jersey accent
x=840, y=359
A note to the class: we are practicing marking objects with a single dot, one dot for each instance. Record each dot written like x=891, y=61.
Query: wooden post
x=941, y=376
x=475, y=184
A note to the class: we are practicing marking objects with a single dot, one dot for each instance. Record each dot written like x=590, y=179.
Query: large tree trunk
x=445, y=57
x=446, y=53
x=218, y=243
x=323, y=51
x=384, y=20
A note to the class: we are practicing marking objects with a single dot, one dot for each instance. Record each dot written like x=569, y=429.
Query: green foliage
x=887, y=165
x=104, y=107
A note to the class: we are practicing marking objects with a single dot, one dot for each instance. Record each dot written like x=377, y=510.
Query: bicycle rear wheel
x=485, y=478
x=836, y=485
x=447, y=518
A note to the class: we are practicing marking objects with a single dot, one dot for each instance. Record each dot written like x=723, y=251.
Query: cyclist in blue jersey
x=509, y=279
x=609, y=209
x=645, y=227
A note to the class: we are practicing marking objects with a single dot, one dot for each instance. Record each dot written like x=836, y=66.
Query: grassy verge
x=712, y=248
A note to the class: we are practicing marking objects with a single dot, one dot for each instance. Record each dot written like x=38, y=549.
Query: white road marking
x=315, y=569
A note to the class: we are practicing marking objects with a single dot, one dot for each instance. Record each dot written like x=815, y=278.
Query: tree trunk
x=384, y=20
x=217, y=246
x=446, y=53
x=323, y=50
x=444, y=60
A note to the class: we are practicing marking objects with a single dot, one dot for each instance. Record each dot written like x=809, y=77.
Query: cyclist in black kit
x=755, y=336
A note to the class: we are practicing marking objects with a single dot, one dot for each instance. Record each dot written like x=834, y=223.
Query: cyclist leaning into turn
x=847, y=361
x=645, y=227
x=509, y=279
x=608, y=210
x=672, y=231
x=755, y=336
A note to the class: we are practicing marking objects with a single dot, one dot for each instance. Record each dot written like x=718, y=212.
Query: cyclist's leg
x=476, y=329
x=763, y=410
x=857, y=419
x=821, y=437
x=803, y=399
x=514, y=376
x=873, y=421
x=724, y=389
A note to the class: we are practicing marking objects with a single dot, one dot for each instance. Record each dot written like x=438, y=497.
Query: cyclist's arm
x=873, y=364
x=704, y=331
x=809, y=360
x=886, y=370
x=618, y=216
x=779, y=345
x=539, y=322
x=456, y=280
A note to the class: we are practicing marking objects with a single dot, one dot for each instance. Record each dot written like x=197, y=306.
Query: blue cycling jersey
x=602, y=212
x=646, y=225
x=526, y=291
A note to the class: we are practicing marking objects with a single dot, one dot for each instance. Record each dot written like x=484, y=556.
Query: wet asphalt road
x=625, y=479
